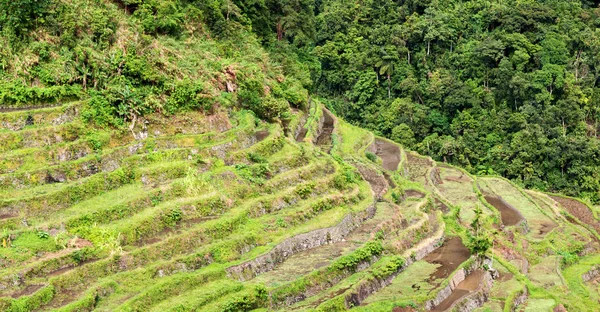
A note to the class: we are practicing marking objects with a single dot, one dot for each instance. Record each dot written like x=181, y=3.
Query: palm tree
x=386, y=66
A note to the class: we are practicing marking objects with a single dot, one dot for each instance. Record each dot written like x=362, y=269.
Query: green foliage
x=372, y=157
x=346, y=177
x=20, y=16
x=304, y=190
x=43, y=234
x=171, y=217
x=479, y=240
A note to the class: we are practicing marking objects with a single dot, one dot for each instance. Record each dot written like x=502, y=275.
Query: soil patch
x=441, y=206
x=579, y=210
x=470, y=284
x=449, y=256
x=404, y=309
x=30, y=289
x=377, y=182
x=324, y=138
x=261, y=135
x=389, y=154
x=510, y=215
x=547, y=227
x=6, y=216
x=504, y=277
x=413, y=193
x=301, y=134
x=69, y=268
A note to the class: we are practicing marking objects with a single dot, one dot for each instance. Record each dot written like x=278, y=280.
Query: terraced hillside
x=225, y=212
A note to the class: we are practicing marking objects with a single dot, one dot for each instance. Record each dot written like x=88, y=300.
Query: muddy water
x=470, y=284
x=389, y=154
x=510, y=215
x=449, y=257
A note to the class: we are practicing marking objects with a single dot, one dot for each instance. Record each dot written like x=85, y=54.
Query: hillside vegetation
x=167, y=156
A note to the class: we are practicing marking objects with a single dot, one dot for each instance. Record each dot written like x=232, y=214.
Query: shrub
x=372, y=157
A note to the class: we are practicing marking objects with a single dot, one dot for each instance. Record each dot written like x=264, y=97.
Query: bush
x=372, y=157
x=187, y=95
x=160, y=17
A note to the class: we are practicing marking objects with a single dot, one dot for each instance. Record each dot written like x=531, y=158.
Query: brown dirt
x=449, y=256
x=504, y=277
x=6, y=216
x=30, y=289
x=301, y=135
x=377, y=182
x=470, y=284
x=69, y=268
x=261, y=135
x=547, y=227
x=579, y=210
x=441, y=206
x=405, y=309
x=560, y=308
x=389, y=154
x=510, y=215
x=413, y=193
x=324, y=138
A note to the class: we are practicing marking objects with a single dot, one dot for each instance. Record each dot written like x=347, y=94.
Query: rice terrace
x=229, y=155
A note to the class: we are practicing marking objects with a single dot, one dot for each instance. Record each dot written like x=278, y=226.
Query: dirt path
x=324, y=138
x=388, y=152
x=510, y=215
x=449, y=257
x=464, y=288
x=579, y=210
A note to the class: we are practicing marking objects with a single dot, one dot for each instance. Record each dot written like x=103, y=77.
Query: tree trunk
x=389, y=86
x=279, y=31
